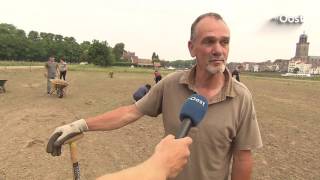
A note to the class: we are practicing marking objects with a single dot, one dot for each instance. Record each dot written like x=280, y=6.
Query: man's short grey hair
x=194, y=24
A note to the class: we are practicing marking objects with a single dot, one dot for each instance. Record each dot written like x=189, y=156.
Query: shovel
x=74, y=155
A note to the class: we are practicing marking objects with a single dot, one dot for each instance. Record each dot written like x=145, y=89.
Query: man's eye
x=225, y=42
x=209, y=41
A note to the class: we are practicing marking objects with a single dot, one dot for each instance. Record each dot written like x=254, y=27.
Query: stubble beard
x=216, y=69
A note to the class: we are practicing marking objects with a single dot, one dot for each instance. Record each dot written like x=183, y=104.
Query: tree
x=100, y=53
x=182, y=63
x=33, y=36
x=13, y=42
x=155, y=57
x=71, y=49
x=7, y=28
x=118, y=50
x=46, y=36
x=84, y=47
x=16, y=45
x=164, y=63
x=58, y=37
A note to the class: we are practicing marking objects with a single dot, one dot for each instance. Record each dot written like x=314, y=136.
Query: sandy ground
x=288, y=113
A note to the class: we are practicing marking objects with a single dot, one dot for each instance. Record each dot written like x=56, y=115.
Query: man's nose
x=216, y=50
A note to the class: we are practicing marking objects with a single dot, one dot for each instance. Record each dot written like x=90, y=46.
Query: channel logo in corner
x=288, y=19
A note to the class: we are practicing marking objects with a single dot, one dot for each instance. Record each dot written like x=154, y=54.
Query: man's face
x=210, y=45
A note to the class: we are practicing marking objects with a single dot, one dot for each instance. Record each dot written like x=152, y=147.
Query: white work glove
x=63, y=133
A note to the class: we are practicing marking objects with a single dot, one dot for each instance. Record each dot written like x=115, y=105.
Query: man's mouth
x=216, y=60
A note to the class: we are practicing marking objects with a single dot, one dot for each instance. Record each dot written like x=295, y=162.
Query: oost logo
x=288, y=19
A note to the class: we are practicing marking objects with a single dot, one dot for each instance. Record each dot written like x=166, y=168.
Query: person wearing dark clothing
x=157, y=76
x=63, y=69
x=142, y=91
x=236, y=73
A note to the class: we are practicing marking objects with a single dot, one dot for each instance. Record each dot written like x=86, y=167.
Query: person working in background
x=51, y=72
x=228, y=132
x=142, y=91
x=63, y=69
x=157, y=76
x=236, y=74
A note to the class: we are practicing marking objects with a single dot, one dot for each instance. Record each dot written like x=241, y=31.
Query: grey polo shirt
x=52, y=69
x=230, y=123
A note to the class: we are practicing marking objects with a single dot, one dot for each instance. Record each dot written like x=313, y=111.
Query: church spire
x=302, y=47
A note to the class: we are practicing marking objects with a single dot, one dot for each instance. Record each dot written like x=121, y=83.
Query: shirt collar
x=188, y=78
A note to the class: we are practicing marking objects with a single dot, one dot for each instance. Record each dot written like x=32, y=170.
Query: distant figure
x=51, y=72
x=236, y=73
x=63, y=69
x=157, y=76
x=2, y=83
x=142, y=91
x=111, y=74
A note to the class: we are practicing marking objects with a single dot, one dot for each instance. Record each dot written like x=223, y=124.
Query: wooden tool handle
x=74, y=160
x=73, y=152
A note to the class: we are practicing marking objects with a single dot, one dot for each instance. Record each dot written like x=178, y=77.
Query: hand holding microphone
x=192, y=112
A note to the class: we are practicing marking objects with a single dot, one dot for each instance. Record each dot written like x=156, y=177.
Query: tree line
x=16, y=45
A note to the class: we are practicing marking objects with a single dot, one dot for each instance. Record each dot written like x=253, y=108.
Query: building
x=302, y=47
x=256, y=68
x=233, y=65
x=315, y=70
x=132, y=58
x=282, y=65
x=247, y=67
x=143, y=62
x=302, y=67
x=306, y=64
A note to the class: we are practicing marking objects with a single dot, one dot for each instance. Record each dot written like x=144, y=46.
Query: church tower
x=302, y=47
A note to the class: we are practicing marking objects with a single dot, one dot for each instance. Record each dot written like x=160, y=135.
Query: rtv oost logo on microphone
x=197, y=100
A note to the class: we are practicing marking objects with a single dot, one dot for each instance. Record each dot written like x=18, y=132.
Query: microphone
x=192, y=112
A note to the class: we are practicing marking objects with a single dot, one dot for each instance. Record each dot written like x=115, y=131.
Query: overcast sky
x=147, y=26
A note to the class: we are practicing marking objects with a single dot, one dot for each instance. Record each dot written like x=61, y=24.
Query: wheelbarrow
x=59, y=87
x=2, y=83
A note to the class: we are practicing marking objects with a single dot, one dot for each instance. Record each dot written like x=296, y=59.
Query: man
x=142, y=91
x=167, y=161
x=229, y=130
x=236, y=73
x=157, y=76
x=51, y=72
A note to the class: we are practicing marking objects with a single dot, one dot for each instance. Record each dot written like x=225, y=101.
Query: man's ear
x=191, y=48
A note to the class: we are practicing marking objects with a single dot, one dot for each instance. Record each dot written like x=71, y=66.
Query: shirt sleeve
x=151, y=103
x=248, y=135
